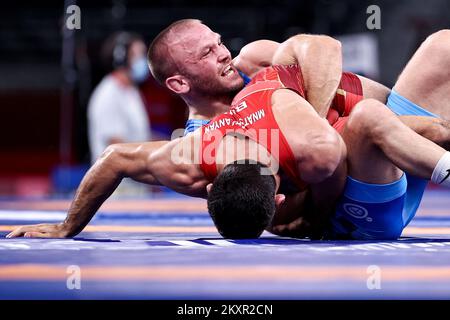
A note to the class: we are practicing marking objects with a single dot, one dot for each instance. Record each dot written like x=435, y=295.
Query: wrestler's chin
x=235, y=84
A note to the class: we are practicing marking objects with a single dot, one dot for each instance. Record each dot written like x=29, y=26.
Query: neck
x=122, y=77
x=206, y=108
x=233, y=148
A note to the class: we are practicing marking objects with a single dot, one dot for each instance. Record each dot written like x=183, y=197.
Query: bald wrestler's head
x=190, y=59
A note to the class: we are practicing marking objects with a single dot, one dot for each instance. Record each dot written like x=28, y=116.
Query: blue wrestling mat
x=169, y=249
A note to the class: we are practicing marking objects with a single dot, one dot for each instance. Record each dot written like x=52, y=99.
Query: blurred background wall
x=43, y=131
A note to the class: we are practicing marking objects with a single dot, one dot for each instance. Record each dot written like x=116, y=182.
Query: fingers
x=18, y=232
x=35, y=234
x=297, y=228
x=285, y=230
x=39, y=231
x=280, y=229
x=293, y=226
x=31, y=230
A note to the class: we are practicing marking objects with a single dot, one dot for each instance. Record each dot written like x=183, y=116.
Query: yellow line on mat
x=224, y=273
x=150, y=229
x=172, y=205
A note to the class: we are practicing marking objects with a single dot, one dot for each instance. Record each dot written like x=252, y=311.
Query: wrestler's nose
x=224, y=54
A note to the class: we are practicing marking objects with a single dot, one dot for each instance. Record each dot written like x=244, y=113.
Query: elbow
x=334, y=47
x=324, y=167
x=325, y=153
x=332, y=44
x=111, y=152
x=112, y=158
x=316, y=43
x=327, y=44
x=323, y=40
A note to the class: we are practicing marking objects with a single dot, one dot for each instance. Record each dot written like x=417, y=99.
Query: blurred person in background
x=116, y=110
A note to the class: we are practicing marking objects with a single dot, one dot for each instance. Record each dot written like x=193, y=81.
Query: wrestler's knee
x=437, y=46
x=370, y=119
x=363, y=115
x=438, y=38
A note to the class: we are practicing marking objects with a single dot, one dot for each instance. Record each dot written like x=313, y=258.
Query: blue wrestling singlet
x=377, y=212
x=370, y=211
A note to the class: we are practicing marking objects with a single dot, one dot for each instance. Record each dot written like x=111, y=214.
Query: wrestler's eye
x=206, y=53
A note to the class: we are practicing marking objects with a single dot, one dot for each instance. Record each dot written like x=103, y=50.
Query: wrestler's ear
x=208, y=187
x=279, y=199
x=178, y=84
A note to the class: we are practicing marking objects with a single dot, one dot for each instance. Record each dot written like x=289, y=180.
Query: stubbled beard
x=215, y=88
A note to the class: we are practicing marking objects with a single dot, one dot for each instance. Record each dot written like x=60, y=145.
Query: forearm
x=311, y=216
x=320, y=59
x=292, y=217
x=324, y=197
x=98, y=184
x=292, y=208
x=117, y=162
x=136, y=161
x=434, y=129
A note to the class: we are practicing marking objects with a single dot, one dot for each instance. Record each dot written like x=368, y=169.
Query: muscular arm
x=319, y=151
x=325, y=191
x=320, y=58
x=255, y=56
x=324, y=198
x=290, y=219
x=150, y=163
x=306, y=214
x=434, y=129
x=317, y=147
x=117, y=162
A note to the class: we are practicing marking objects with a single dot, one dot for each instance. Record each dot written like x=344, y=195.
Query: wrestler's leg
x=411, y=152
x=366, y=161
x=374, y=204
x=423, y=89
x=374, y=90
x=377, y=177
x=373, y=200
x=405, y=148
x=425, y=81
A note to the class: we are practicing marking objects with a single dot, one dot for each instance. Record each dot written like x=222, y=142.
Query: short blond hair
x=159, y=60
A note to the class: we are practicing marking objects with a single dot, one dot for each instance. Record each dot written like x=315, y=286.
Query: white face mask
x=139, y=70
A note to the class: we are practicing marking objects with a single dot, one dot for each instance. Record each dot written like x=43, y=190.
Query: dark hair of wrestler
x=159, y=59
x=241, y=200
